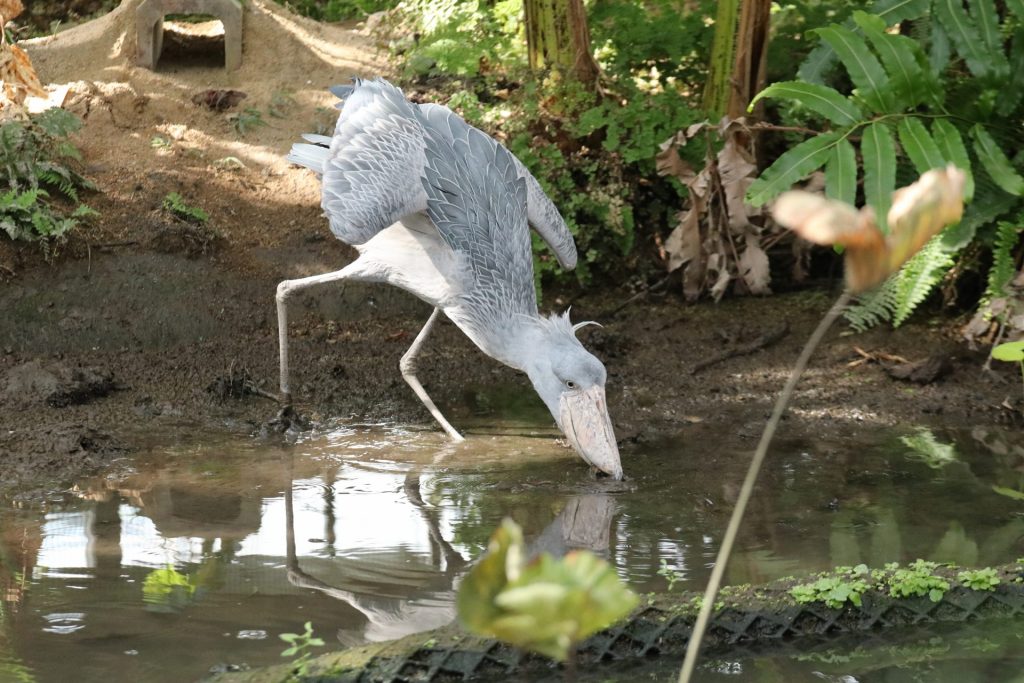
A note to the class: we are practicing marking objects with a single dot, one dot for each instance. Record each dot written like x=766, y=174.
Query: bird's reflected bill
x=585, y=421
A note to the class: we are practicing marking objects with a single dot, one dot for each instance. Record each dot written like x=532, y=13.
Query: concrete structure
x=149, y=23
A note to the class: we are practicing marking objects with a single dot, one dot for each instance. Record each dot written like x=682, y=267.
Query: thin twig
x=693, y=647
x=639, y=295
x=765, y=340
x=784, y=129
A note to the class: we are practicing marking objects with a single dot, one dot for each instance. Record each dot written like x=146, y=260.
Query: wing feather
x=371, y=177
x=543, y=216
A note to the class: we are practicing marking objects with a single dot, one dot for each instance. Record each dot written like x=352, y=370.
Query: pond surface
x=212, y=545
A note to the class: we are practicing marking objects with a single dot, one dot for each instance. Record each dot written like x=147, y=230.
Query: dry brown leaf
x=737, y=171
x=9, y=9
x=919, y=212
x=754, y=267
x=668, y=161
x=17, y=74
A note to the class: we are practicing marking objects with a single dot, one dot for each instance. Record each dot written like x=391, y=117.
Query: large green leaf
x=1011, y=352
x=918, y=144
x=821, y=58
x=475, y=601
x=968, y=41
x=902, y=59
x=996, y=164
x=951, y=146
x=841, y=173
x=879, y=154
x=865, y=70
x=984, y=14
x=821, y=99
x=795, y=164
x=547, y=606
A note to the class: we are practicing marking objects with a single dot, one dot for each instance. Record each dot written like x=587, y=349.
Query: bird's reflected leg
x=284, y=290
x=408, y=367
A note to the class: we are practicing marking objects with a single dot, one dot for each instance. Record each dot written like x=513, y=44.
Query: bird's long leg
x=408, y=367
x=284, y=290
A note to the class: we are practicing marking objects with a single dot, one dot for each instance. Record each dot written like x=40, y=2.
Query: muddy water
x=203, y=550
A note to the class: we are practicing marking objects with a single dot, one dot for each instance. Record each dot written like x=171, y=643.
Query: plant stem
x=693, y=647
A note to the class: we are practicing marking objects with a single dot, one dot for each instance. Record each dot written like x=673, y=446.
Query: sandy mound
x=144, y=136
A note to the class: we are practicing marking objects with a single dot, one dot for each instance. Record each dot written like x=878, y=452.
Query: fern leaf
x=865, y=70
x=841, y=173
x=820, y=99
x=901, y=58
x=872, y=308
x=1010, y=96
x=964, y=34
x=918, y=277
x=939, y=49
x=951, y=147
x=1017, y=7
x=1003, y=267
x=996, y=164
x=822, y=58
x=795, y=164
x=984, y=14
x=879, y=154
x=917, y=142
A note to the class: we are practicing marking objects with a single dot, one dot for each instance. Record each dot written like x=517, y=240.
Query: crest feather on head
x=559, y=323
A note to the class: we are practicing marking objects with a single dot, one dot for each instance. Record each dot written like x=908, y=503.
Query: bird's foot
x=287, y=420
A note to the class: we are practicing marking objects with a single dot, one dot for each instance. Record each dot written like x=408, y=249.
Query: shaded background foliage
x=593, y=146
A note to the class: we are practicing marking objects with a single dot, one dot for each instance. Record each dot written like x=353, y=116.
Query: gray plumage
x=442, y=210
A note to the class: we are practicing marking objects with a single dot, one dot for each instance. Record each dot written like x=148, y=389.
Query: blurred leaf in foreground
x=548, y=605
x=919, y=212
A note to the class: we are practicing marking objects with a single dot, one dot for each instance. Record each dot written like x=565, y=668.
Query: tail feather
x=312, y=157
x=322, y=140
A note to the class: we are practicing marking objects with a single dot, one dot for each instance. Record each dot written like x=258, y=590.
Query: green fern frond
x=873, y=307
x=899, y=296
x=918, y=277
x=1004, y=268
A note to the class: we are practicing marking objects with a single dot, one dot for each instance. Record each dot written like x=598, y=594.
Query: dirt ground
x=145, y=321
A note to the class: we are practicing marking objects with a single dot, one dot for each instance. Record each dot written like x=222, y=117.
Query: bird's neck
x=511, y=340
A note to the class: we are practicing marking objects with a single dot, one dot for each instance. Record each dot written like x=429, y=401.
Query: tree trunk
x=737, y=68
x=557, y=37
x=748, y=73
x=716, y=90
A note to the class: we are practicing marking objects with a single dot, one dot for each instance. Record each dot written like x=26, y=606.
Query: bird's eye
x=570, y=384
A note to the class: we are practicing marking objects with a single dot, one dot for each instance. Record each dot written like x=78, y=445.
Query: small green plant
x=175, y=204
x=159, y=142
x=36, y=164
x=280, y=103
x=670, y=574
x=845, y=585
x=299, y=646
x=247, y=119
x=916, y=580
x=979, y=579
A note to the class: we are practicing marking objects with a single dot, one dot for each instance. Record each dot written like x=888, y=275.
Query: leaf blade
x=951, y=147
x=841, y=173
x=917, y=142
x=879, y=154
x=964, y=34
x=865, y=70
x=795, y=164
x=820, y=99
x=995, y=162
